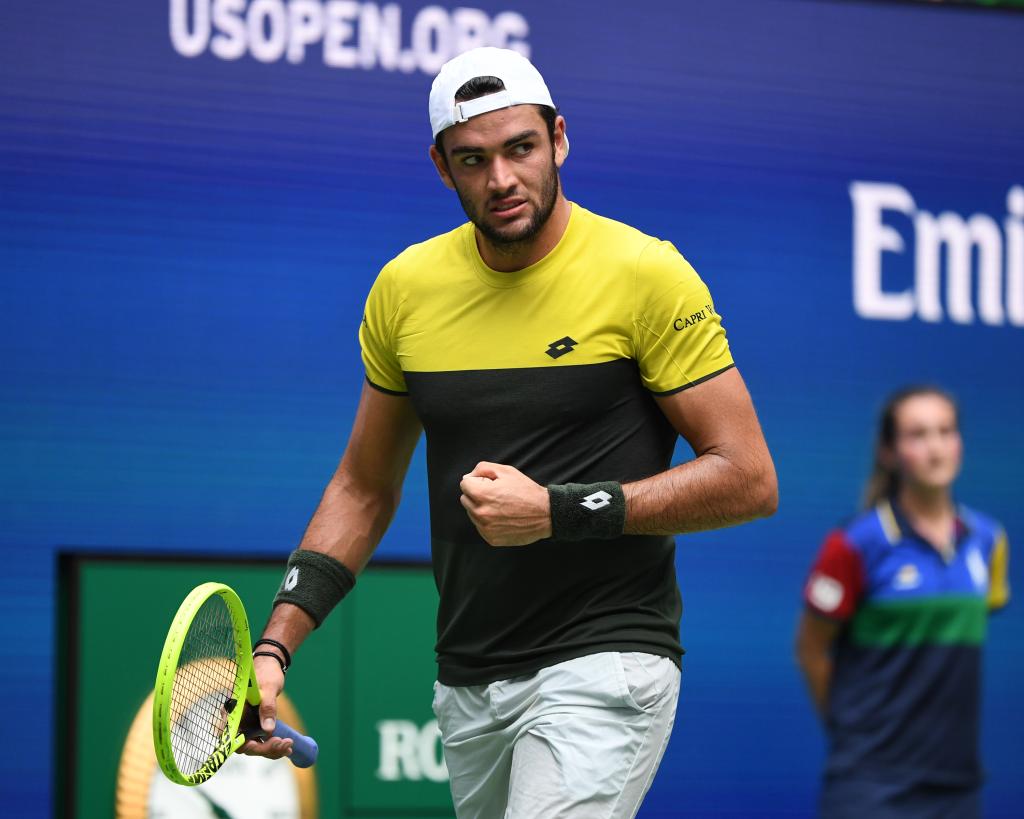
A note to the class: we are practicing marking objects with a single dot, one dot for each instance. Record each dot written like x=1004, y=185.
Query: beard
x=511, y=239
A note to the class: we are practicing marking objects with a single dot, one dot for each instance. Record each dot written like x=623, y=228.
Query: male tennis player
x=552, y=357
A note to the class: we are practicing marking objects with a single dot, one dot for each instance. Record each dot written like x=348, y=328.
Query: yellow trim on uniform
x=887, y=518
x=998, y=574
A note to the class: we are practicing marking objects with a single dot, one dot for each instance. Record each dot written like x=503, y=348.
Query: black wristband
x=583, y=511
x=284, y=665
x=314, y=582
x=266, y=641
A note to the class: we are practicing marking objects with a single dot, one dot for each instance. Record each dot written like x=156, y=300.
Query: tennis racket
x=206, y=697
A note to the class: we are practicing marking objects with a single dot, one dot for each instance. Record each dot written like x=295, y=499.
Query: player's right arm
x=832, y=593
x=356, y=508
x=814, y=638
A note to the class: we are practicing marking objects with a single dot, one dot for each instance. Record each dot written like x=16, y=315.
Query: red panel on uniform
x=836, y=581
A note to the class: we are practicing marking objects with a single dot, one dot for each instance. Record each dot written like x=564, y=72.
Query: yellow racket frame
x=245, y=683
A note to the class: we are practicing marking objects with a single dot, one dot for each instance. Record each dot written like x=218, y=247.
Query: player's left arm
x=732, y=479
x=685, y=362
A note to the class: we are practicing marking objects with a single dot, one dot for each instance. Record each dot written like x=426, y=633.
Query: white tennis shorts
x=577, y=740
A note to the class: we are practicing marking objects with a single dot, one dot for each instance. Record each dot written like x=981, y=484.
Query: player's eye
x=522, y=148
x=471, y=160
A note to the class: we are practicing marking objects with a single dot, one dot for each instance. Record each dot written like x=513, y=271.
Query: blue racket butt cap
x=304, y=749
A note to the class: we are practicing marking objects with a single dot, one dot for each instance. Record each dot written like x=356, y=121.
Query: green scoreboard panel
x=361, y=685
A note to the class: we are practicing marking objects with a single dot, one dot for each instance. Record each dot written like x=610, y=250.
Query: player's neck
x=932, y=514
x=926, y=503
x=509, y=258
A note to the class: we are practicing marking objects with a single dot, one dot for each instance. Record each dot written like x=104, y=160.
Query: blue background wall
x=185, y=244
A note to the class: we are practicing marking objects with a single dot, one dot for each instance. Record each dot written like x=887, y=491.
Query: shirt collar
x=897, y=525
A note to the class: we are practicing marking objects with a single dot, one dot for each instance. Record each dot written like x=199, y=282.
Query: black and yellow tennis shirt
x=550, y=369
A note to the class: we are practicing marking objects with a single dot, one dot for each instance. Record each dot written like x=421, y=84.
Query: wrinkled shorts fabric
x=582, y=738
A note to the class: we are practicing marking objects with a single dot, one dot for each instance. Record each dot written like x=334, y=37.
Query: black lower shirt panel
x=533, y=606
x=509, y=611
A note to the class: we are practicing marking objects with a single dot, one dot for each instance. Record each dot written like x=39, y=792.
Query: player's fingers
x=271, y=748
x=472, y=509
x=474, y=518
x=485, y=469
x=270, y=678
x=268, y=711
x=474, y=488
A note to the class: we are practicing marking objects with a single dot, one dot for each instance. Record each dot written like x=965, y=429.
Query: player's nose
x=502, y=176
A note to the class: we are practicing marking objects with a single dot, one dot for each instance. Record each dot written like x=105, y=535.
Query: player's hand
x=271, y=682
x=506, y=507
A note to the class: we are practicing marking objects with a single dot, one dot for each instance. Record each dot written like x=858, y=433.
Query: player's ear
x=442, y=167
x=561, y=141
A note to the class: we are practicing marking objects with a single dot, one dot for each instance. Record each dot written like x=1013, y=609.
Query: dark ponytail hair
x=885, y=482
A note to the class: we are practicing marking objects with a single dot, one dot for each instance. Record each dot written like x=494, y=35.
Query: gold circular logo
x=245, y=787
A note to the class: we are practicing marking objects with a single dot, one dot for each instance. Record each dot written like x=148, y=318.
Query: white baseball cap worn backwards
x=523, y=85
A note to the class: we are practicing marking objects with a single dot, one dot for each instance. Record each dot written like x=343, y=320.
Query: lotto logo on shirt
x=908, y=577
x=343, y=33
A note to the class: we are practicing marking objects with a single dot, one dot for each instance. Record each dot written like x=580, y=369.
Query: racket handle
x=304, y=749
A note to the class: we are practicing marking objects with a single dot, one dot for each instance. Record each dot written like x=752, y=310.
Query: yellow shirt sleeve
x=678, y=334
x=376, y=333
x=998, y=574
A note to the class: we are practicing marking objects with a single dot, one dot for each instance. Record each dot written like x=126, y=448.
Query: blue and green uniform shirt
x=905, y=694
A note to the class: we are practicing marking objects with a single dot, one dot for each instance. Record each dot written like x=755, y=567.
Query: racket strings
x=203, y=683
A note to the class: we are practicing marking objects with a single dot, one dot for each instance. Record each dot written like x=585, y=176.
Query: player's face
x=927, y=448
x=504, y=169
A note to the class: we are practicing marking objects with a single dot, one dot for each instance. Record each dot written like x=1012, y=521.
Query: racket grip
x=304, y=749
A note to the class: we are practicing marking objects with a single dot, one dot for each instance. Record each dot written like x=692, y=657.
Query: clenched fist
x=507, y=508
